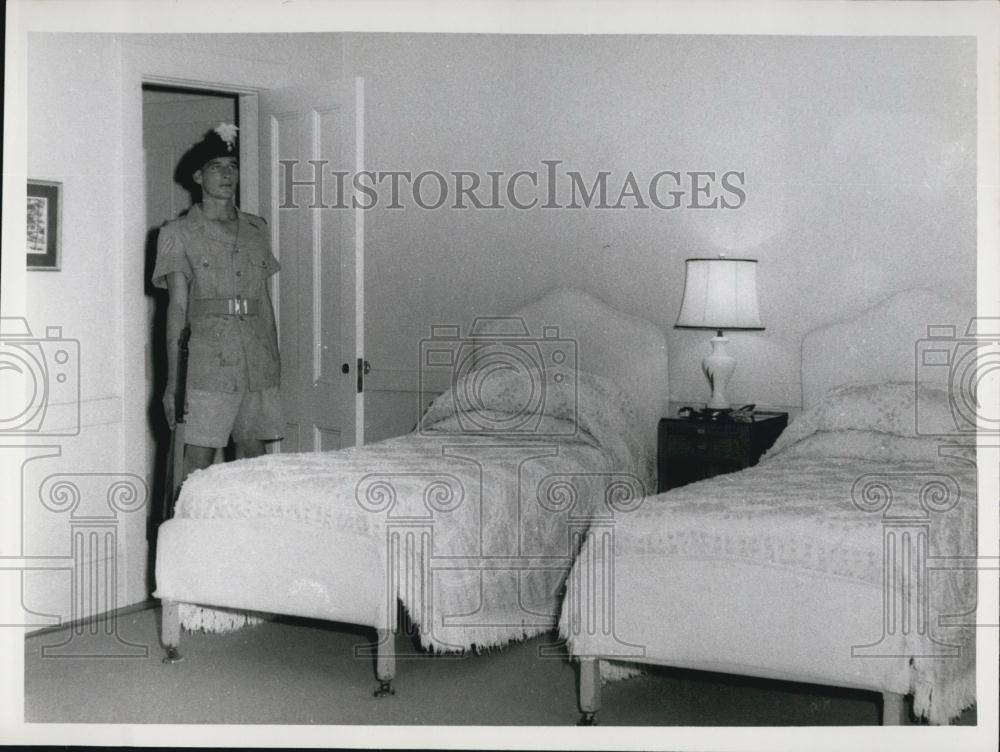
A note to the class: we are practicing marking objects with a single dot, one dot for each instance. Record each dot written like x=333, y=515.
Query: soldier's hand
x=168, y=406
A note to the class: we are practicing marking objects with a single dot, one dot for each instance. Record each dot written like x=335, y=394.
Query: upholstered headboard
x=628, y=350
x=885, y=342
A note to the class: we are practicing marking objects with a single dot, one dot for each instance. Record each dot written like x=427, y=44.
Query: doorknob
x=366, y=367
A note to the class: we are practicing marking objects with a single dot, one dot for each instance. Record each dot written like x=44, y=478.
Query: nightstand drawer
x=705, y=444
x=690, y=450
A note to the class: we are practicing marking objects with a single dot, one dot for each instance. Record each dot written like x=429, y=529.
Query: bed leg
x=170, y=630
x=385, y=662
x=590, y=691
x=894, y=711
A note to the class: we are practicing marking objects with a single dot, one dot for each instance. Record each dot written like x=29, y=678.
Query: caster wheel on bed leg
x=385, y=689
x=173, y=656
x=587, y=719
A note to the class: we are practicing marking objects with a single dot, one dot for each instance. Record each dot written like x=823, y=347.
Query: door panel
x=305, y=133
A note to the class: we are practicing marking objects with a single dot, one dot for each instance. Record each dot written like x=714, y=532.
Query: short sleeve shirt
x=227, y=353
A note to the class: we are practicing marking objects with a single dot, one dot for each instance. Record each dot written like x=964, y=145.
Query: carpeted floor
x=302, y=672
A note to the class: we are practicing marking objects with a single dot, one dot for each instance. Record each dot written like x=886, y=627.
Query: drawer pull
x=702, y=446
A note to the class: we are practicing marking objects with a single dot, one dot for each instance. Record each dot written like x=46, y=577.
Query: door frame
x=144, y=64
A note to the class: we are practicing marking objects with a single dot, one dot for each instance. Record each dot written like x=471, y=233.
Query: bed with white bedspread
x=471, y=522
x=844, y=558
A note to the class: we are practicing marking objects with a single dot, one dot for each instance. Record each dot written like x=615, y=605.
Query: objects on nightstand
x=695, y=446
x=719, y=293
x=739, y=415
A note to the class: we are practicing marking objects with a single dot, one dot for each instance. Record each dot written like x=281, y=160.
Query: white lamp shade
x=720, y=293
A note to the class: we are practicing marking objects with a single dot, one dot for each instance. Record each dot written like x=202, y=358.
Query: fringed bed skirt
x=219, y=620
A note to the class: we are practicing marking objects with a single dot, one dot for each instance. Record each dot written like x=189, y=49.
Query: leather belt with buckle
x=225, y=307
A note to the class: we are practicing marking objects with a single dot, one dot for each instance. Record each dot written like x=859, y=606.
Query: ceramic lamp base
x=718, y=367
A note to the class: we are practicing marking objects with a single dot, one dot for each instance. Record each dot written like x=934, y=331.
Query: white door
x=305, y=134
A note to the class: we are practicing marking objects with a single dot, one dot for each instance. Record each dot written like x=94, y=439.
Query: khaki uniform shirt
x=227, y=353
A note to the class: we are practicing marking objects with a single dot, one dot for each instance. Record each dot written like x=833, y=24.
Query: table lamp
x=719, y=293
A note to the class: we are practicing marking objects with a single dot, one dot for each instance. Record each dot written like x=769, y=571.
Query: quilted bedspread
x=822, y=499
x=486, y=483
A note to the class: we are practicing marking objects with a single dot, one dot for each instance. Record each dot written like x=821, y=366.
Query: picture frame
x=44, y=225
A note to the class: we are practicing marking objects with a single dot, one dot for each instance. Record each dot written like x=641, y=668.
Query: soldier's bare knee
x=249, y=448
x=198, y=457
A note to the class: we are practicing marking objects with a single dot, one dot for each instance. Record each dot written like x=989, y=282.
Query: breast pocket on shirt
x=251, y=275
x=213, y=277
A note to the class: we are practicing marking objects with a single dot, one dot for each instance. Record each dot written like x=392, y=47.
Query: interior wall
x=858, y=154
x=73, y=90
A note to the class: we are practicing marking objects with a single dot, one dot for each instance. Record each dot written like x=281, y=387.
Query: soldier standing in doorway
x=215, y=262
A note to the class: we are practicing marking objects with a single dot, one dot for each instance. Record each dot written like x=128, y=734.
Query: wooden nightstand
x=690, y=450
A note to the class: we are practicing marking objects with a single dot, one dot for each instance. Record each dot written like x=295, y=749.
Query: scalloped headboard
x=880, y=343
x=628, y=350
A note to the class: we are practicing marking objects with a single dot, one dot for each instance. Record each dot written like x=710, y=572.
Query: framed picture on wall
x=44, y=218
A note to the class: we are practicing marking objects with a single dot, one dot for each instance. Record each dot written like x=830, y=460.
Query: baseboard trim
x=118, y=612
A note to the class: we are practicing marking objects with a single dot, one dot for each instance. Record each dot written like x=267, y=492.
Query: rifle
x=175, y=458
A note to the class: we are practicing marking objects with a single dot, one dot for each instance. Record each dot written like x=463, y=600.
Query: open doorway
x=173, y=120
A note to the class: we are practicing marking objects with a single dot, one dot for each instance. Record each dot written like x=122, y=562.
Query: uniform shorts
x=211, y=417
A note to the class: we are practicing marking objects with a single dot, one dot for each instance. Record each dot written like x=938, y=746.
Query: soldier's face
x=219, y=177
